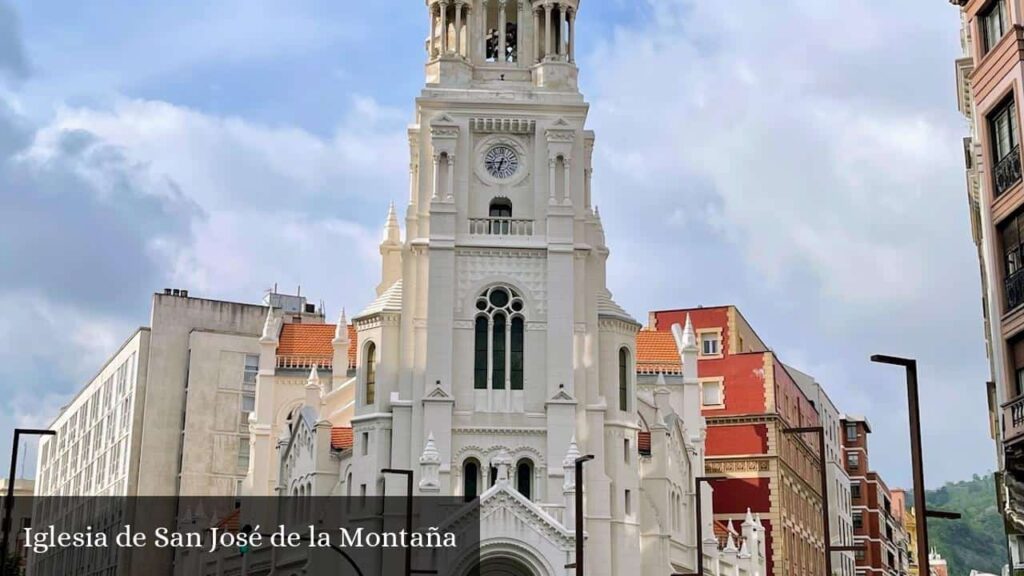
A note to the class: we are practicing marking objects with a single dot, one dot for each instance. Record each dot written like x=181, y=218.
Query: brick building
x=748, y=397
x=876, y=525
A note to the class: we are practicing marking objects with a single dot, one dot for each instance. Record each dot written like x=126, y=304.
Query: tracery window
x=499, y=334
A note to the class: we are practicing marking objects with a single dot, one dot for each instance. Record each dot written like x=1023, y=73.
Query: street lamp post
x=914, y=407
x=700, y=522
x=9, y=500
x=408, y=518
x=826, y=511
x=578, y=565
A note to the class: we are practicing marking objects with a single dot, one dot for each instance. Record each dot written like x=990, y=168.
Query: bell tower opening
x=501, y=30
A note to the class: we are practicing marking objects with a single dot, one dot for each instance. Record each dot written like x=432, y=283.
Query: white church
x=494, y=354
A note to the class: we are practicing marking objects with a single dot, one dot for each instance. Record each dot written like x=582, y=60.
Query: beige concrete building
x=168, y=413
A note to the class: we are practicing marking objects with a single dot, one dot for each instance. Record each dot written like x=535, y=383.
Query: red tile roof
x=656, y=353
x=341, y=438
x=231, y=523
x=312, y=343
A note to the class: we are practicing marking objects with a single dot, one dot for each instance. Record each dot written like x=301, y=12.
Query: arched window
x=494, y=476
x=623, y=379
x=371, y=373
x=501, y=208
x=524, y=478
x=499, y=342
x=470, y=478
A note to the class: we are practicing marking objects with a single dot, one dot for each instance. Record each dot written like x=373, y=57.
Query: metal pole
x=9, y=499
x=408, y=511
x=915, y=452
x=579, y=512
x=826, y=512
x=700, y=528
x=700, y=522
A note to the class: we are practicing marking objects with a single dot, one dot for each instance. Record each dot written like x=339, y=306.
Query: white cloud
x=813, y=177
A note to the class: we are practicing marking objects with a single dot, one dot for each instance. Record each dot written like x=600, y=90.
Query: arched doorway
x=501, y=566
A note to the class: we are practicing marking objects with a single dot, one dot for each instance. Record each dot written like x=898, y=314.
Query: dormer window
x=994, y=24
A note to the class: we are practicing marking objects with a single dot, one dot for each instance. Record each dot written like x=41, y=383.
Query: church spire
x=390, y=251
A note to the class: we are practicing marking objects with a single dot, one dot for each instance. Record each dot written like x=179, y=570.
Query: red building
x=748, y=398
x=877, y=524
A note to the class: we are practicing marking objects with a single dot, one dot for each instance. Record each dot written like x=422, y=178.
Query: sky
x=799, y=159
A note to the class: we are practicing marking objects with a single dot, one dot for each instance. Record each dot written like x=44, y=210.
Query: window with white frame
x=251, y=368
x=712, y=393
x=710, y=344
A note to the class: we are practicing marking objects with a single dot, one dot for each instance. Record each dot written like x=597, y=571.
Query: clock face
x=501, y=162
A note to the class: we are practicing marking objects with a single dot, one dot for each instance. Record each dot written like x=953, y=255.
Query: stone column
x=468, y=52
x=444, y=27
x=552, y=164
x=536, y=36
x=502, y=25
x=520, y=21
x=433, y=32
x=483, y=26
x=437, y=177
x=547, y=30
x=566, y=172
x=572, y=35
x=561, y=30
x=458, y=27
x=451, y=178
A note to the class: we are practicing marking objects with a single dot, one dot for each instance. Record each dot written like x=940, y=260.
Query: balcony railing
x=500, y=226
x=1014, y=285
x=1007, y=171
x=1013, y=420
x=304, y=362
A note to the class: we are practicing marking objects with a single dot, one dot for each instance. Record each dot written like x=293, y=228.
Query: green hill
x=976, y=542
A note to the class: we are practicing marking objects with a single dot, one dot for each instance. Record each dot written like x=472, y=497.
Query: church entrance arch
x=502, y=565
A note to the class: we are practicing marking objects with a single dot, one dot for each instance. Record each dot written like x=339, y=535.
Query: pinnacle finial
x=269, y=325
x=730, y=544
x=430, y=454
x=392, y=233
x=572, y=454
x=749, y=521
x=341, y=330
x=314, y=377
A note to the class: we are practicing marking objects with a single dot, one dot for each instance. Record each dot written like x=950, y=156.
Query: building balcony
x=1013, y=420
x=500, y=226
x=1014, y=285
x=1007, y=171
x=304, y=362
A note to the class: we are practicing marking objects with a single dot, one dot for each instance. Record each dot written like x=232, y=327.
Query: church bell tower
x=499, y=342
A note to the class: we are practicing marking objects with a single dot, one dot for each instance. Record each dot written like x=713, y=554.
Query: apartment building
x=840, y=504
x=876, y=527
x=748, y=397
x=168, y=413
x=990, y=85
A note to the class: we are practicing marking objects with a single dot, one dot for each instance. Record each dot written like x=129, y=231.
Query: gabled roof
x=341, y=438
x=656, y=353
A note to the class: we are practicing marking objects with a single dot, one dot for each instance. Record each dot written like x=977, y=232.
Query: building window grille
x=1012, y=236
x=994, y=24
x=499, y=340
x=1005, y=146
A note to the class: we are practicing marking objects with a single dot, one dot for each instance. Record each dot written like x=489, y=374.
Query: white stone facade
x=494, y=353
